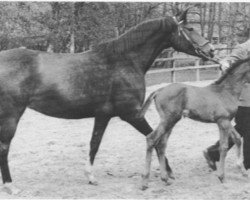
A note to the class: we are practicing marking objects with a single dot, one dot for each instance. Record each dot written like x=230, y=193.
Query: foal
x=215, y=103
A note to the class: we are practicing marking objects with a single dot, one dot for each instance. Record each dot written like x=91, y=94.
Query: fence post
x=219, y=72
x=173, y=75
x=197, y=62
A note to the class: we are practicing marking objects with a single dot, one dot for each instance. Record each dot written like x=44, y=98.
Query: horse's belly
x=202, y=117
x=63, y=109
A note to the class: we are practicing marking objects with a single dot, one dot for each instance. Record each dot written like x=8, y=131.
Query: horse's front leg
x=7, y=131
x=224, y=128
x=101, y=122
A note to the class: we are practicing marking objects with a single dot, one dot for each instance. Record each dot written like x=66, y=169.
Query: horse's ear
x=182, y=16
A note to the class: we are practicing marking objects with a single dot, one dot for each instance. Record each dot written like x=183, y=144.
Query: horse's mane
x=231, y=69
x=135, y=36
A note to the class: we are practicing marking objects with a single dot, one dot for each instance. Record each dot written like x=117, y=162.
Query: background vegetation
x=75, y=26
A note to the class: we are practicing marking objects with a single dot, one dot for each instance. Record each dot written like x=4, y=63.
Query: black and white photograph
x=125, y=100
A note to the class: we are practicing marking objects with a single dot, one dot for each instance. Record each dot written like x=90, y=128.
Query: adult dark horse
x=104, y=82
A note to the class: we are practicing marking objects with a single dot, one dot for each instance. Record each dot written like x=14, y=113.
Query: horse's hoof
x=244, y=174
x=171, y=175
x=222, y=179
x=242, y=170
x=144, y=187
x=144, y=183
x=9, y=188
x=93, y=182
x=211, y=163
x=167, y=181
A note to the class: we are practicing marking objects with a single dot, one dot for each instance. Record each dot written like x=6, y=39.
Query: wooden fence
x=197, y=67
x=173, y=69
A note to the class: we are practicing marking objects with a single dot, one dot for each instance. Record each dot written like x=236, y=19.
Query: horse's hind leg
x=100, y=125
x=143, y=127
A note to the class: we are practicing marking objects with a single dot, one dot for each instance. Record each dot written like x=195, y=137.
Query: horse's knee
x=152, y=138
x=238, y=142
x=223, y=147
x=150, y=141
x=4, y=149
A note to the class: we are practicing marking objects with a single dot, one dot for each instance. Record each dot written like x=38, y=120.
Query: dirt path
x=48, y=155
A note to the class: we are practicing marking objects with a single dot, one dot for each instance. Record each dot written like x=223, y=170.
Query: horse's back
x=71, y=85
x=198, y=102
x=204, y=104
x=60, y=85
x=172, y=90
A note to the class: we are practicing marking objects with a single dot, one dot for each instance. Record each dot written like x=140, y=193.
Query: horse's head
x=186, y=39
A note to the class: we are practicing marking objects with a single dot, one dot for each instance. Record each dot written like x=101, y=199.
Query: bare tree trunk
x=211, y=20
x=116, y=30
x=72, y=29
x=164, y=10
x=50, y=48
x=72, y=42
x=246, y=18
x=232, y=24
x=220, y=25
x=203, y=11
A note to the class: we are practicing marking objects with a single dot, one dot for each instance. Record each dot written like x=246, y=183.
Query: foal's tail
x=147, y=103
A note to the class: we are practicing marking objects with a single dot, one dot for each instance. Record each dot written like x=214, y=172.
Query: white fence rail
x=173, y=69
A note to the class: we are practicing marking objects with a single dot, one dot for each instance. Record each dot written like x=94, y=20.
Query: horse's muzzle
x=205, y=55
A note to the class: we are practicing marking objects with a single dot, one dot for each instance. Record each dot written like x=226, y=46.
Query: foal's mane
x=231, y=70
x=135, y=36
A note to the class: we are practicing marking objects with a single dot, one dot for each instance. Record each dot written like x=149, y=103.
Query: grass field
x=181, y=76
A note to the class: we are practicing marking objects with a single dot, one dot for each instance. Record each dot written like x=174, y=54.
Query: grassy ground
x=181, y=76
x=48, y=156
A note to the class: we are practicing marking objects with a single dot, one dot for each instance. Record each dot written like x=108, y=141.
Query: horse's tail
x=147, y=103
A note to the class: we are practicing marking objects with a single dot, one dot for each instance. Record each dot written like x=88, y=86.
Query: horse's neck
x=146, y=54
x=233, y=85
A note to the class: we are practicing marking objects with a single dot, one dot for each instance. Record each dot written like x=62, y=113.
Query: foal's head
x=238, y=72
x=186, y=39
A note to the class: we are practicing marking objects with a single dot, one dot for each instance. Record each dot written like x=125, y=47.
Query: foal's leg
x=143, y=127
x=145, y=176
x=101, y=123
x=224, y=128
x=162, y=145
x=158, y=138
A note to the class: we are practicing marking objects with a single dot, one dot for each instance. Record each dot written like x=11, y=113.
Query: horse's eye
x=190, y=29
